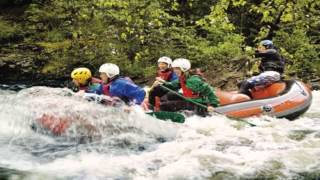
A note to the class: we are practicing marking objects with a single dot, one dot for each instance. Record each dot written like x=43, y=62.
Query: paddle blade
x=165, y=115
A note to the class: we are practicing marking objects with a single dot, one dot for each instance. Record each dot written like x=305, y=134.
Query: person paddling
x=271, y=67
x=84, y=82
x=164, y=73
x=116, y=86
x=193, y=86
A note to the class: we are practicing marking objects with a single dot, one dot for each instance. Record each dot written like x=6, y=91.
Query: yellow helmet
x=81, y=75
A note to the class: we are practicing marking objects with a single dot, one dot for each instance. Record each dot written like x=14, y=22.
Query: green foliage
x=222, y=42
x=8, y=30
x=295, y=22
x=135, y=33
x=6, y=3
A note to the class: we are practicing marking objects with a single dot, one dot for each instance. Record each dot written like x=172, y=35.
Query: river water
x=137, y=146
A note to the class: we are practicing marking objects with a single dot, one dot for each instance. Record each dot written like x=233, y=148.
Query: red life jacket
x=165, y=75
x=186, y=91
x=106, y=89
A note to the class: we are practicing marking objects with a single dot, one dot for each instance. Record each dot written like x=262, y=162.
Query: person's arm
x=210, y=94
x=265, y=53
x=174, y=85
x=196, y=84
x=122, y=88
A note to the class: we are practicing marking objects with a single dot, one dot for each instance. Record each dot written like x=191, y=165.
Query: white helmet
x=110, y=69
x=183, y=64
x=166, y=60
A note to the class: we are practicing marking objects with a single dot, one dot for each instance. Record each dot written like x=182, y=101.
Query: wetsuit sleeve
x=174, y=85
x=207, y=93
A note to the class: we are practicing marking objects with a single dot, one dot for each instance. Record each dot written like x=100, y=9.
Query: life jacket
x=165, y=75
x=271, y=66
x=271, y=60
x=186, y=91
x=106, y=89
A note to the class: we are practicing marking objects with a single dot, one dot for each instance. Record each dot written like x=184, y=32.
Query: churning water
x=137, y=146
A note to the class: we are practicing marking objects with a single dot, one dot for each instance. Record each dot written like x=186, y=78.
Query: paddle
x=204, y=106
x=165, y=115
x=109, y=101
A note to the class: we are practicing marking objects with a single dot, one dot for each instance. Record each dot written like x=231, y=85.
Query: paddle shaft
x=201, y=105
x=184, y=98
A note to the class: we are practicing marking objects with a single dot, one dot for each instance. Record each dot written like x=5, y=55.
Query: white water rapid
x=137, y=146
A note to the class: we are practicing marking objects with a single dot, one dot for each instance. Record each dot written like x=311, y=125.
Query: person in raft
x=164, y=73
x=193, y=86
x=271, y=67
x=116, y=86
x=83, y=81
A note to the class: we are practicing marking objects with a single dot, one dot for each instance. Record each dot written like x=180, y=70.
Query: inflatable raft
x=287, y=99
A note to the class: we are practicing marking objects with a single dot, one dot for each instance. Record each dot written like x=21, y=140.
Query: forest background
x=41, y=41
